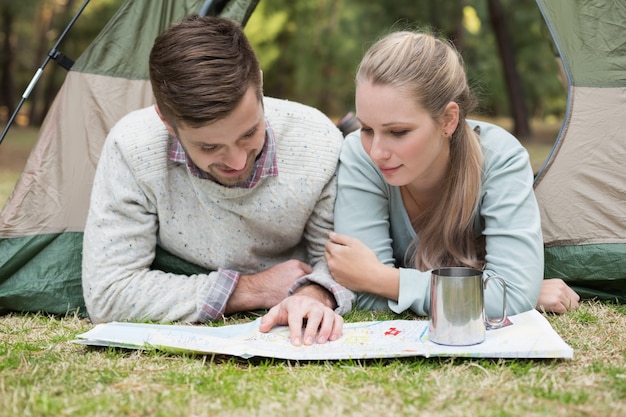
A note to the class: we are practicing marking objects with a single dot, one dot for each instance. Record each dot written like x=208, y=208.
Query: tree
x=521, y=125
x=27, y=35
x=309, y=49
x=8, y=13
x=43, y=22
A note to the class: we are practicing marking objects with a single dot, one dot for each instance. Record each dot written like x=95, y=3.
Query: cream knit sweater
x=141, y=199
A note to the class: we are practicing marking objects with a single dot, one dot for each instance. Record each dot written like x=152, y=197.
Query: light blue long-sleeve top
x=372, y=211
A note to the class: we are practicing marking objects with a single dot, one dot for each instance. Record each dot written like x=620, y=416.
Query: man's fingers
x=309, y=321
x=270, y=319
x=325, y=327
x=330, y=328
x=313, y=321
x=320, y=327
x=294, y=321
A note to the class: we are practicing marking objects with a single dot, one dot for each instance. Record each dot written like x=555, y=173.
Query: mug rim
x=457, y=271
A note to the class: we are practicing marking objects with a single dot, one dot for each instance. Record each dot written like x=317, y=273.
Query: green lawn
x=43, y=374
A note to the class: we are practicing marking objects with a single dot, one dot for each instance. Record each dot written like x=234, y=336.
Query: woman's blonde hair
x=431, y=70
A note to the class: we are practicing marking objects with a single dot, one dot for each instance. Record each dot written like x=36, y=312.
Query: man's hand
x=557, y=297
x=267, y=288
x=295, y=309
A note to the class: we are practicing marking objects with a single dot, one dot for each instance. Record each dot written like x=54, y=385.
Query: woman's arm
x=363, y=212
x=510, y=222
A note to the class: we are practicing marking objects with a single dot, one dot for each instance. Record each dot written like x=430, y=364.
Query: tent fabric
x=42, y=273
x=582, y=194
x=41, y=226
x=590, y=37
x=581, y=190
x=52, y=193
x=591, y=270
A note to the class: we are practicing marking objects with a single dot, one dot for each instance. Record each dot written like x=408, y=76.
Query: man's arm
x=119, y=247
x=318, y=293
x=313, y=309
x=266, y=289
x=317, y=231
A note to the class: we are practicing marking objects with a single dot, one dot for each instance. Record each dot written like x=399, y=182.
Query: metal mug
x=457, y=306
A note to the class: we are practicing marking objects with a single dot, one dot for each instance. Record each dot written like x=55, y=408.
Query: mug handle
x=496, y=324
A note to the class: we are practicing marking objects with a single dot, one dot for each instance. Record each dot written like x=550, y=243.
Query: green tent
x=582, y=188
x=41, y=226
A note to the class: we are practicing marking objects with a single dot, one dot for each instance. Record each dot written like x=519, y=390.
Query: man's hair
x=200, y=68
x=431, y=71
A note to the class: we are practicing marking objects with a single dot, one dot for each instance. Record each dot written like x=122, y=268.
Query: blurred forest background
x=309, y=50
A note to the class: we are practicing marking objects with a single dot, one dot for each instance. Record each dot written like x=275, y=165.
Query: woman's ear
x=170, y=128
x=450, y=118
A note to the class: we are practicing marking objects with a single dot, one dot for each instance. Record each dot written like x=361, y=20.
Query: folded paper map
x=530, y=336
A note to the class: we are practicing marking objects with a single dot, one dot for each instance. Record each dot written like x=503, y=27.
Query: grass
x=43, y=374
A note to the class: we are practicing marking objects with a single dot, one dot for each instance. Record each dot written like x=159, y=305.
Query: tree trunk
x=7, y=62
x=517, y=102
x=52, y=84
x=45, y=14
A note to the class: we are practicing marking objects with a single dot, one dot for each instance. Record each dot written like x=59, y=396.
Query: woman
x=421, y=187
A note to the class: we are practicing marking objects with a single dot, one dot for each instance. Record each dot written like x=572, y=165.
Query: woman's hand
x=556, y=297
x=352, y=263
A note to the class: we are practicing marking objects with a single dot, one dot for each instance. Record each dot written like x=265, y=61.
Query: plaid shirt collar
x=265, y=165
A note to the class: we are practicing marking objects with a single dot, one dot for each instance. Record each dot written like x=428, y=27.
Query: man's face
x=227, y=149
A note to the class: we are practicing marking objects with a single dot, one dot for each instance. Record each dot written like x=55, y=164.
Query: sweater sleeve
x=316, y=233
x=119, y=246
x=311, y=144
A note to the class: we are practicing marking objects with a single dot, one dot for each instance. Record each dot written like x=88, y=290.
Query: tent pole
x=52, y=54
x=205, y=8
x=213, y=7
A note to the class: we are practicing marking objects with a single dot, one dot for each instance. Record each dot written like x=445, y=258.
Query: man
x=224, y=178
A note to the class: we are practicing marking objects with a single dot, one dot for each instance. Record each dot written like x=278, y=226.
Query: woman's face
x=401, y=137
